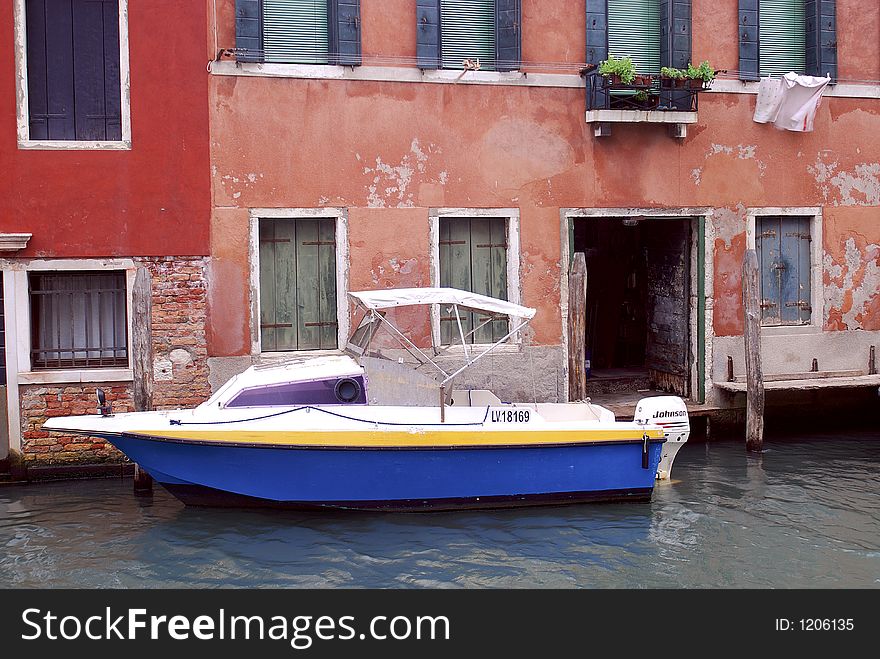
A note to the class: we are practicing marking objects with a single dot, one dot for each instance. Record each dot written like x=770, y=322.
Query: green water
x=804, y=514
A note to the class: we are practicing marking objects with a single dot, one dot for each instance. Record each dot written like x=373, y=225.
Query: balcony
x=647, y=100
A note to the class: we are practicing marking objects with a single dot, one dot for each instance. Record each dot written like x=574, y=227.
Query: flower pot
x=643, y=81
x=694, y=83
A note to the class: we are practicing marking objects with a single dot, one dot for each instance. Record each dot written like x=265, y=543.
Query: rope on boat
x=178, y=422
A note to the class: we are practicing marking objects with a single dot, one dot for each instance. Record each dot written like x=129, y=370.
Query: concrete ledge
x=641, y=116
x=806, y=384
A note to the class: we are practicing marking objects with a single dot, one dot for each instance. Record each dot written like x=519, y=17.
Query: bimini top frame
x=376, y=302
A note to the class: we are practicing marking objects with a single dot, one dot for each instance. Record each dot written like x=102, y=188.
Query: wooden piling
x=142, y=360
x=577, y=328
x=752, y=336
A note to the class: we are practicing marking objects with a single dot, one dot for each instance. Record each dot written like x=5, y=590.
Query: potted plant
x=618, y=70
x=700, y=77
x=671, y=77
x=645, y=100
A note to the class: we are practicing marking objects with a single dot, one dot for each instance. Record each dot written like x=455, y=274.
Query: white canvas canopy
x=402, y=297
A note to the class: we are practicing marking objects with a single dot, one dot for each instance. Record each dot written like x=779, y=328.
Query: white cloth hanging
x=790, y=102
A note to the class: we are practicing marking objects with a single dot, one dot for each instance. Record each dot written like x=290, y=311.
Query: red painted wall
x=153, y=200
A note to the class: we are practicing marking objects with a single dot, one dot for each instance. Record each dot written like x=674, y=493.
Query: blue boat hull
x=396, y=478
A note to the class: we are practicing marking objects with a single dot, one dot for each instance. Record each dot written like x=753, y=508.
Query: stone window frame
x=340, y=215
x=19, y=330
x=817, y=251
x=514, y=284
x=21, y=89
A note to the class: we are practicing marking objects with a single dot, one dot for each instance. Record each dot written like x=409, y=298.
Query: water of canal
x=804, y=514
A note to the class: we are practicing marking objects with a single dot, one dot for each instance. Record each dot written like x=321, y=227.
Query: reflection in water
x=803, y=514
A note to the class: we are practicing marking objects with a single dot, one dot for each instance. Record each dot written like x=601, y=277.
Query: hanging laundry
x=790, y=102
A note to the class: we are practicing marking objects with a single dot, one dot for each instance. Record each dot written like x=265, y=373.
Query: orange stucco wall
x=390, y=151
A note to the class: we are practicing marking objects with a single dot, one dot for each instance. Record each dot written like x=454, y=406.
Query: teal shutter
x=821, y=38
x=782, y=37
x=249, y=30
x=345, y=32
x=473, y=257
x=297, y=285
x=634, y=31
x=748, y=40
x=296, y=31
x=428, y=34
x=783, y=246
x=508, y=35
x=597, y=43
x=467, y=31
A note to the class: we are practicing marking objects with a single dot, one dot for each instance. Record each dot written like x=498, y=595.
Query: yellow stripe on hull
x=402, y=439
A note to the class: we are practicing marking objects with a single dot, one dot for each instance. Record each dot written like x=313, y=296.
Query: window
x=73, y=70
x=783, y=245
x=298, y=31
x=473, y=257
x=778, y=36
x=78, y=320
x=448, y=32
x=297, y=284
x=781, y=37
x=634, y=31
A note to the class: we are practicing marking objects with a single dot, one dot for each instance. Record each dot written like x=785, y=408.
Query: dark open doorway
x=638, y=299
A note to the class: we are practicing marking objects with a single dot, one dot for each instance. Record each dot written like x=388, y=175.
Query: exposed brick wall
x=40, y=402
x=180, y=349
x=180, y=370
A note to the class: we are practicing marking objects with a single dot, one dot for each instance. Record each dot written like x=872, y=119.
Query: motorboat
x=387, y=424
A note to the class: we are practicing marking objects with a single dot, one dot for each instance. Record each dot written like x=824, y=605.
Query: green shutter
x=467, y=31
x=297, y=285
x=295, y=31
x=634, y=31
x=473, y=257
x=782, y=37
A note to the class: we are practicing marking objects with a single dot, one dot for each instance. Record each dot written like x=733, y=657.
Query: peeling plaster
x=852, y=286
x=859, y=187
x=740, y=151
x=399, y=177
x=729, y=223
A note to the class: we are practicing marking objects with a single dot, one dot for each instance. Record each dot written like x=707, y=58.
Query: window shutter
x=768, y=248
x=782, y=37
x=508, y=35
x=50, y=71
x=96, y=74
x=821, y=38
x=675, y=44
x=597, y=40
x=428, y=34
x=249, y=30
x=634, y=31
x=455, y=272
x=345, y=32
x=298, y=285
x=467, y=31
x=748, y=40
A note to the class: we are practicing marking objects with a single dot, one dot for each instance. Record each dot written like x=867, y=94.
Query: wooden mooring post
x=752, y=336
x=577, y=328
x=142, y=361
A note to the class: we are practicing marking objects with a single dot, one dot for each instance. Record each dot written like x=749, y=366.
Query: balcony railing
x=649, y=99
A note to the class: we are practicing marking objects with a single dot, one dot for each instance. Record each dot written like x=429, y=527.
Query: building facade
x=464, y=143
x=340, y=145
x=105, y=149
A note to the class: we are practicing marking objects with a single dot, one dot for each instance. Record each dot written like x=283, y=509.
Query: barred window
x=78, y=320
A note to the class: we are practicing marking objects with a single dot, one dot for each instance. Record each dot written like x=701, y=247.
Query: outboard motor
x=670, y=413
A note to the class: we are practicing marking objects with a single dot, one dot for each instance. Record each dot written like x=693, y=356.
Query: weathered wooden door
x=667, y=257
x=298, y=285
x=783, y=247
